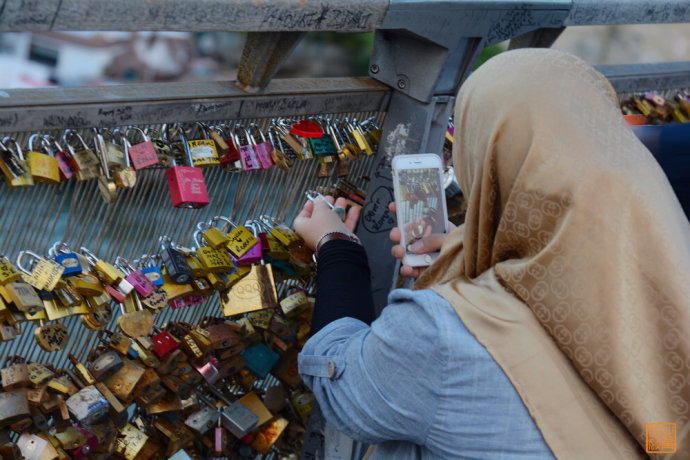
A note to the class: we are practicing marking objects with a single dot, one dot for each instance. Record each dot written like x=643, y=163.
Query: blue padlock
x=70, y=262
x=154, y=275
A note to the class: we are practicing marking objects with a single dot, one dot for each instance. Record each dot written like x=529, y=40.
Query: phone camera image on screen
x=420, y=204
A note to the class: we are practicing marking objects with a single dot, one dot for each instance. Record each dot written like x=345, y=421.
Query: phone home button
x=427, y=258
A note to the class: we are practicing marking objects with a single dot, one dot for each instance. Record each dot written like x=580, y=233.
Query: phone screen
x=421, y=204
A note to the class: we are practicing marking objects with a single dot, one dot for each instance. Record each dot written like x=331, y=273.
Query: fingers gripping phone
x=420, y=202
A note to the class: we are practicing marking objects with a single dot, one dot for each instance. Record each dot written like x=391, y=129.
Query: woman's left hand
x=317, y=218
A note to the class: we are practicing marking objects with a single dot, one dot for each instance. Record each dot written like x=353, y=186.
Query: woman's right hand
x=428, y=243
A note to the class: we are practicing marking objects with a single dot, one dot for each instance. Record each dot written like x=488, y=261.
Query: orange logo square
x=661, y=438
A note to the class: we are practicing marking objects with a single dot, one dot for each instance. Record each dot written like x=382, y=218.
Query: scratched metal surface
x=111, y=106
x=192, y=15
x=36, y=217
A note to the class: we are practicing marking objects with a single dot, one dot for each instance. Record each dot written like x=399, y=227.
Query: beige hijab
x=572, y=267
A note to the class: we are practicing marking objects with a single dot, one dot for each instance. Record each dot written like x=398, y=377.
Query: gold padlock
x=253, y=292
x=16, y=169
x=43, y=166
x=15, y=373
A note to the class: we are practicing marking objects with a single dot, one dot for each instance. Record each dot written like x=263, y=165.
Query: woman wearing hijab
x=556, y=320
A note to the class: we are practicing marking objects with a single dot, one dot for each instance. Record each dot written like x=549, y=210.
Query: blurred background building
x=104, y=58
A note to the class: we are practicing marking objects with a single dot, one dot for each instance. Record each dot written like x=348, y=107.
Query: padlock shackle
x=123, y=264
x=255, y=127
x=69, y=135
x=90, y=256
x=136, y=129
x=197, y=236
x=44, y=144
x=100, y=149
x=224, y=219
x=21, y=255
x=18, y=152
x=185, y=146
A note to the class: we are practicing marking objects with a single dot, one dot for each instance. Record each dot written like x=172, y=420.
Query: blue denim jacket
x=418, y=385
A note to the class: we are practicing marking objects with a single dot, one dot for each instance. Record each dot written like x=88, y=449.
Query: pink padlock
x=135, y=277
x=262, y=150
x=209, y=371
x=84, y=450
x=186, y=183
x=247, y=153
x=142, y=154
x=186, y=301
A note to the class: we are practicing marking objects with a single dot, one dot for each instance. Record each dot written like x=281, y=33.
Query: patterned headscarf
x=573, y=266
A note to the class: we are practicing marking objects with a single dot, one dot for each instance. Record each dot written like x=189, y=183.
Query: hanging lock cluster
x=227, y=384
x=113, y=157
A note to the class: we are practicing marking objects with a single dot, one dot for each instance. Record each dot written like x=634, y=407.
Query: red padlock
x=63, y=159
x=186, y=183
x=84, y=450
x=163, y=343
x=142, y=154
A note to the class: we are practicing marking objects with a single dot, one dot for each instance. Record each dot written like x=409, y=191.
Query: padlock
x=267, y=436
x=16, y=165
x=64, y=385
x=114, y=151
x=260, y=359
x=106, y=185
x=86, y=284
x=170, y=361
x=34, y=447
x=238, y=419
x=186, y=183
x=84, y=160
x=262, y=148
x=278, y=154
x=252, y=402
x=51, y=337
x=126, y=176
x=135, y=277
x=143, y=347
x=221, y=335
x=220, y=435
x=294, y=303
x=130, y=441
x=24, y=297
x=176, y=385
x=208, y=370
x=297, y=145
x=157, y=300
x=81, y=370
x=117, y=412
x=14, y=373
x=45, y=273
x=135, y=323
x=163, y=343
x=123, y=382
x=248, y=156
x=213, y=260
x=68, y=259
x=104, y=365
x=43, y=165
x=203, y=150
x=8, y=272
x=88, y=447
x=149, y=383
x=88, y=405
x=242, y=243
x=177, y=433
x=11, y=165
x=109, y=273
x=358, y=134
x=203, y=419
x=141, y=154
x=149, y=268
x=39, y=375
x=174, y=263
x=253, y=292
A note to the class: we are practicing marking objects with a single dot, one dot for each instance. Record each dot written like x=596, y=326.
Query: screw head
x=402, y=84
x=374, y=68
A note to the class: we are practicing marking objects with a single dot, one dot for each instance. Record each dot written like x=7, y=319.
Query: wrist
x=334, y=235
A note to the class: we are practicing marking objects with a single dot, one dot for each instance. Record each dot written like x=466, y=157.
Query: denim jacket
x=418, y=385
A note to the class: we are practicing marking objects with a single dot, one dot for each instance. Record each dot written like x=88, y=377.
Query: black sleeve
x=343, y=284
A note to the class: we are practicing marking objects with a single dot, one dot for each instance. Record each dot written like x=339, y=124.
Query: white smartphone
x=420, y=202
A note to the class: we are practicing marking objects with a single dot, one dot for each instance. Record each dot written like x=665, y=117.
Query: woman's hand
x=317, y=218
x=430, y=242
